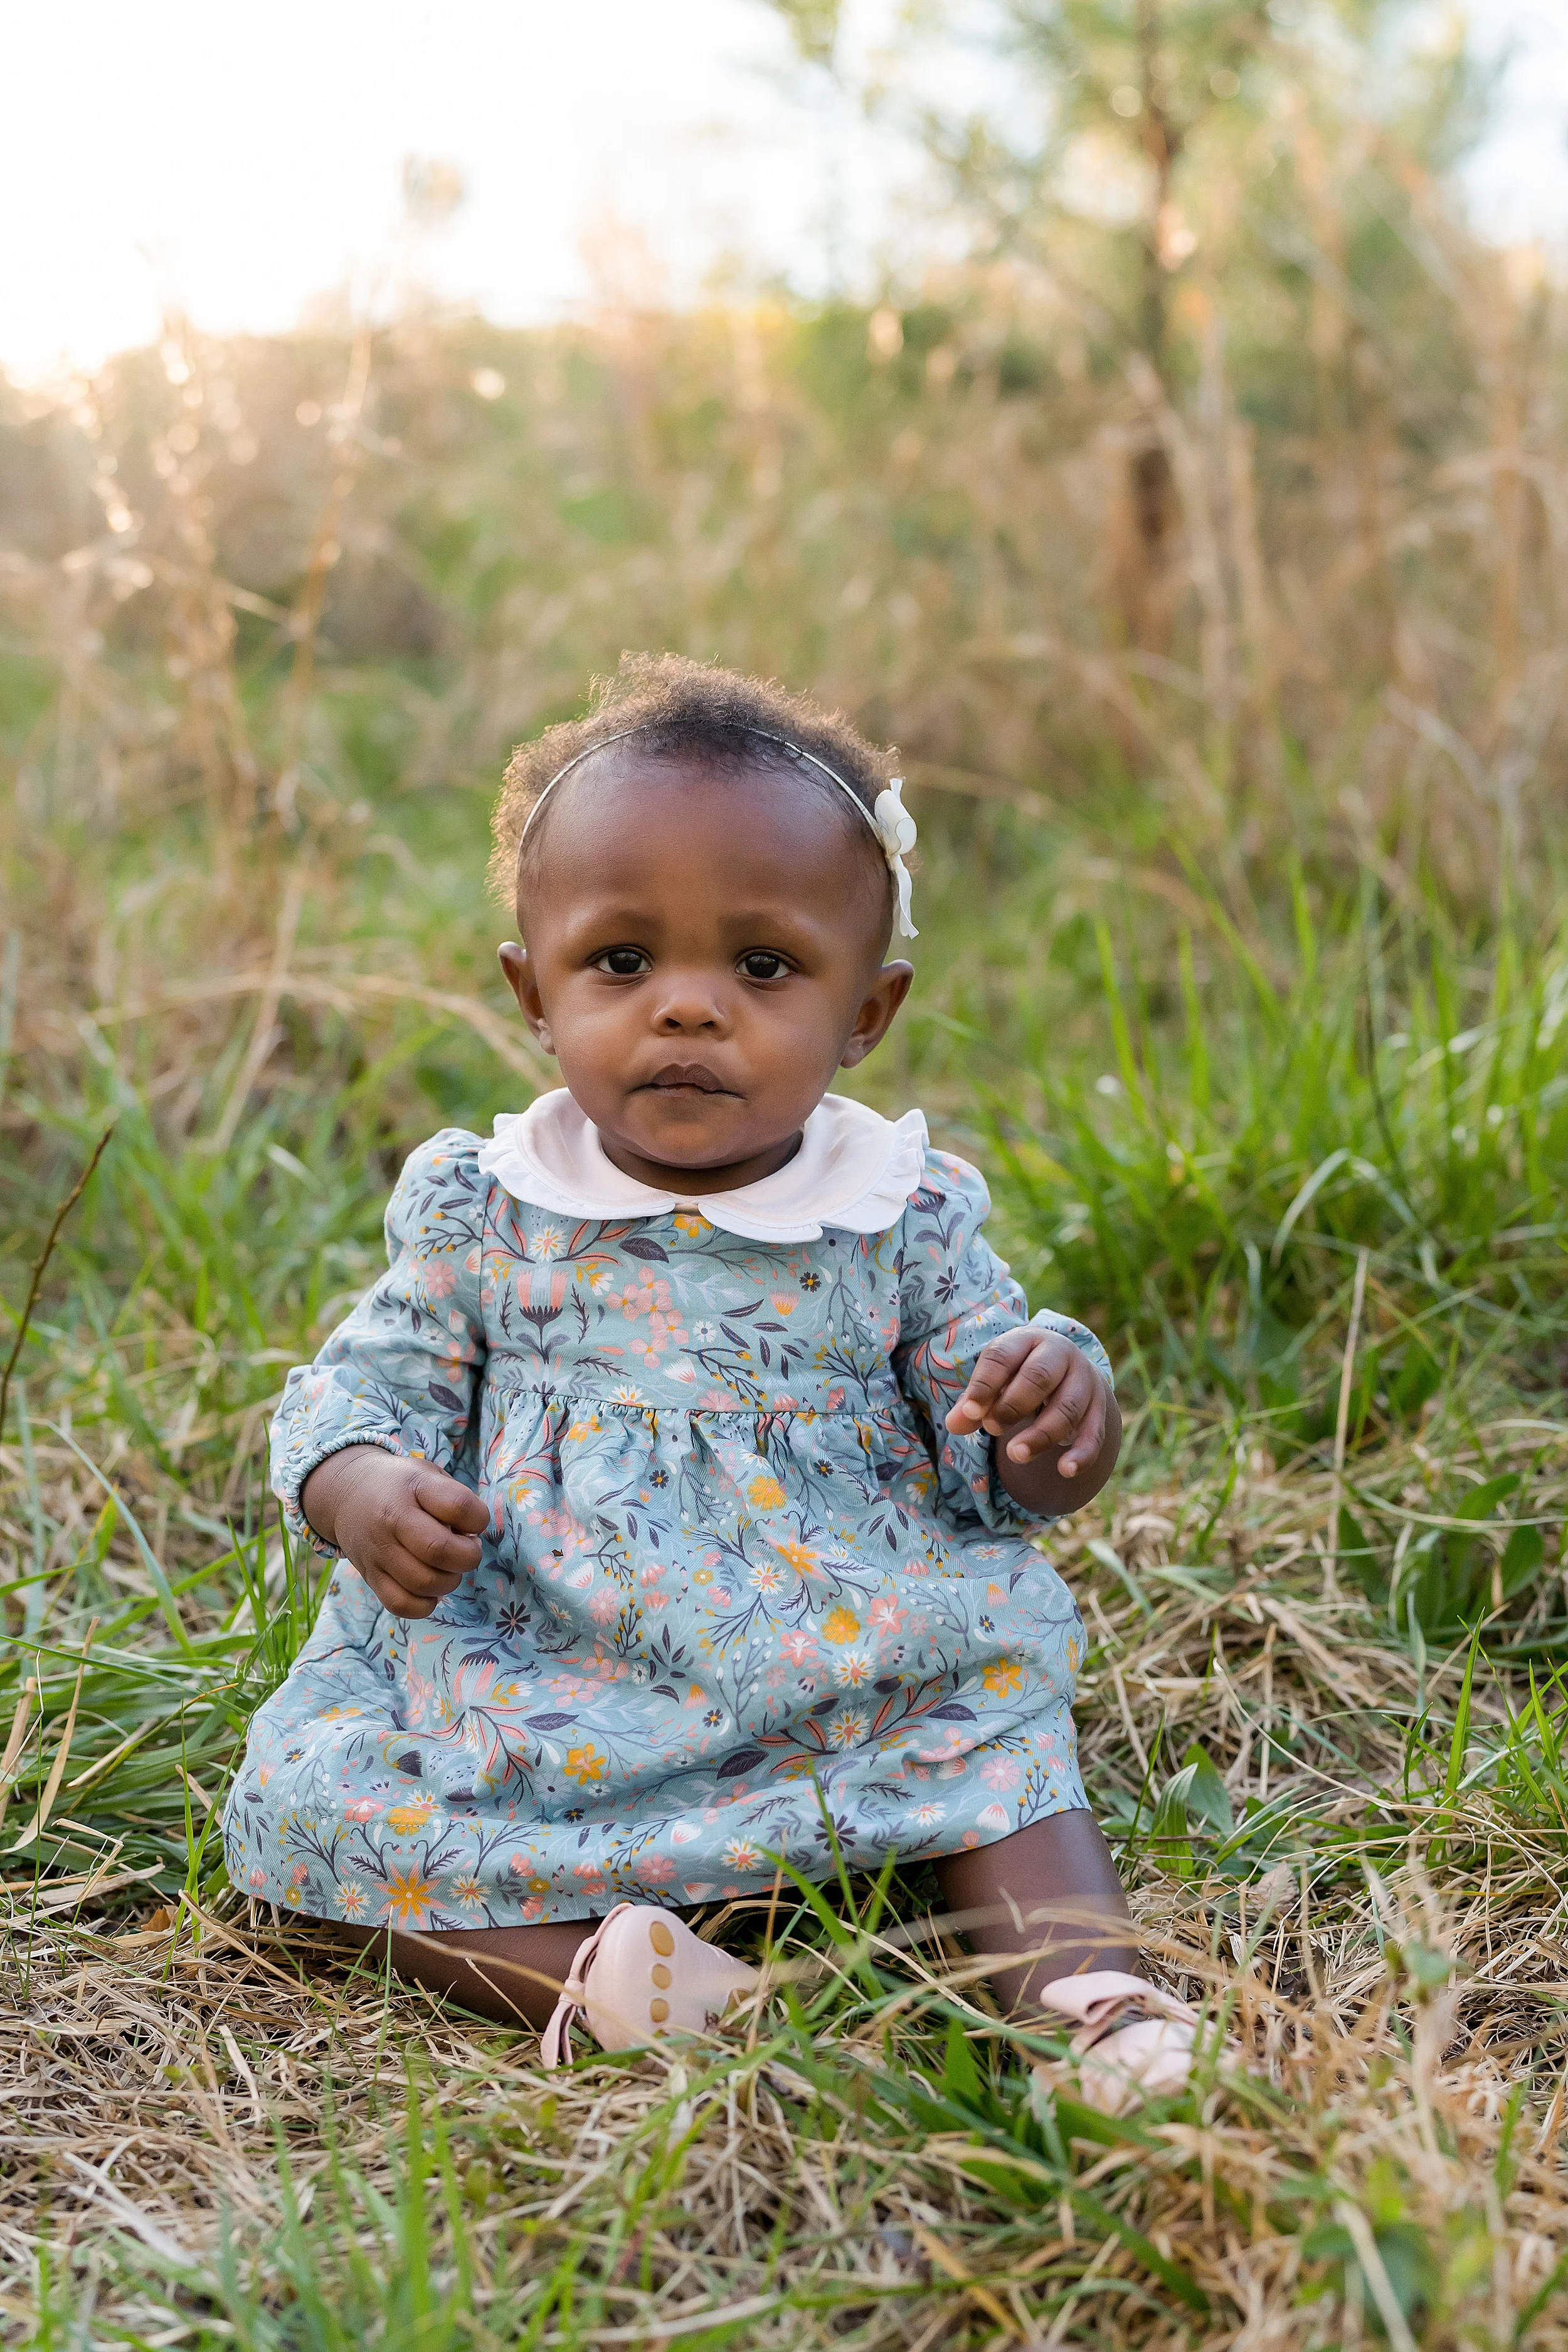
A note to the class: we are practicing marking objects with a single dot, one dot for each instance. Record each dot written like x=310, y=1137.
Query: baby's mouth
x=686, y=1079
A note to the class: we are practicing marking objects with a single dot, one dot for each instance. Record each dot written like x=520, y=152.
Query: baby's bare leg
x=512, y=1975
x=1051, y=1887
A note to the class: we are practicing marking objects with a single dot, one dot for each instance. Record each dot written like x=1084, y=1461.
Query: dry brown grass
x=1396, y=2092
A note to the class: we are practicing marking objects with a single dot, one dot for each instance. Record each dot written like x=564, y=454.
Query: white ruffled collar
x=855, y=1171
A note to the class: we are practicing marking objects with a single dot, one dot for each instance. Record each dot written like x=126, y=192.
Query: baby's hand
x=410, y=1531
x=1035, y=1390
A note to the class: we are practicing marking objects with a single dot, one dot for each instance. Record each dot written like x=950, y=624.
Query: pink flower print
x=258, y=1877
x=361, y=1809
x=645, y=1293
x=722, y=1597
x=797, y=1646
x=663, y=1331
x=654, y=1869
x=653, y=1574
x=438, y=1277
x=1001, y=1772
x=885, y=1613
x=603, y=1606
x=656, y=1601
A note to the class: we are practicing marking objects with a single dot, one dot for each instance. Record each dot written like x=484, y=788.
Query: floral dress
x=742, y=1598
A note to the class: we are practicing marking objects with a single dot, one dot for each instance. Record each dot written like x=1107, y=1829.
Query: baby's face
x=704, y=952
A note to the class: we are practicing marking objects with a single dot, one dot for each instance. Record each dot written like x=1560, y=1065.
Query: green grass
x=1270, y=1080
x=1217, y=1172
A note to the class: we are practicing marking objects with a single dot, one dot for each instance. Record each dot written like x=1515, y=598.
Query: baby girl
x=691, y=1453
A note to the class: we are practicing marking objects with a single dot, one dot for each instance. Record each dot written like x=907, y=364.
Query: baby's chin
x=695, y=1132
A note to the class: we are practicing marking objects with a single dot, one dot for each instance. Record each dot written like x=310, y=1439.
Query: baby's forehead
x=724, y=804
x=673, y=823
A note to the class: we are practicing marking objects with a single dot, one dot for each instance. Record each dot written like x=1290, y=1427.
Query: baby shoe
x=640, y=1975
x=1135, y=2042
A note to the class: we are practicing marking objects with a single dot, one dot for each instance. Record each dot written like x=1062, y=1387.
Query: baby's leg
x=512, y=1975
x=1051, y=1887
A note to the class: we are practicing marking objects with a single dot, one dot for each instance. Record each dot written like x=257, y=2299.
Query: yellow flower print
x=408, y=1898
x=404, y=1821
x=692, y=1223
x=1073, y=1654
x=840, y=1626
x=800, y=1557
x=582, y=1429
x=782, y=1303
x=1003, y=1676
x=765, y=1493
x=584, y=1764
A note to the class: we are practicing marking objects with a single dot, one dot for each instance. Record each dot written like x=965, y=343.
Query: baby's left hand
x=1035, y=1390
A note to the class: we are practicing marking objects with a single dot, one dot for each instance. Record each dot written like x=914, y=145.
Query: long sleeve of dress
x=401, y=1372
x=954, y=1295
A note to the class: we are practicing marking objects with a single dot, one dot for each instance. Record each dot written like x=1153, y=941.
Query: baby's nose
x=690, y=1001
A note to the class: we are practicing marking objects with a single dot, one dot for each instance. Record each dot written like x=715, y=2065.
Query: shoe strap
x=555, y=2041
x=1103, y=2001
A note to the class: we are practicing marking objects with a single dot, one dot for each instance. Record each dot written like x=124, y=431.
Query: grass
x=1320, y=1720
x=1241, y=973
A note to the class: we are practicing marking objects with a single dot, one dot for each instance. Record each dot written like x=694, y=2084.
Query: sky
x=237, y=159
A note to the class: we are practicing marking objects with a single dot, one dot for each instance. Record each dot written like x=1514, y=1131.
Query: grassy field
x=1241, y=974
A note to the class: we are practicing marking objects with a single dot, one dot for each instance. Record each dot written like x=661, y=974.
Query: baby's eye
x=764, y=964
x=625, y=963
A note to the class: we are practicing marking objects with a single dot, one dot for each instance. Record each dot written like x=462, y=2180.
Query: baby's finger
x=1085, y=1446
x=433, y=1545
x=451, y=1501
x=1087, y=1442
x=993, y=1368
x=428, y=1578
x=1065, y=1422
x=395, y=1597
x=1040, y=1377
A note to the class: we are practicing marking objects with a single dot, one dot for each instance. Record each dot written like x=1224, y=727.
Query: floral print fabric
x=742, y=1595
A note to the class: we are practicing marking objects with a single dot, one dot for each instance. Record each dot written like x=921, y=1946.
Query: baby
x=691, y=1450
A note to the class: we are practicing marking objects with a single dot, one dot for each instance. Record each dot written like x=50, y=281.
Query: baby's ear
x=876, y=1012
x=518, y=966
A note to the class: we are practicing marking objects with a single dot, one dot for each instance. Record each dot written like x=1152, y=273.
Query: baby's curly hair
x=683, y=708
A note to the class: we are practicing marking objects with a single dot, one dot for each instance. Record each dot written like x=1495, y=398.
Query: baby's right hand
x=410, y=1531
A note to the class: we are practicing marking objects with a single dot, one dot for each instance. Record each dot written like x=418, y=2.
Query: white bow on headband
x=889, y=820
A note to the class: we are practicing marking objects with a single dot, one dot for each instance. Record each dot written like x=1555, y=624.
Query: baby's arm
x=366, y=1436
x=1054, y=1420
x=410, y=1531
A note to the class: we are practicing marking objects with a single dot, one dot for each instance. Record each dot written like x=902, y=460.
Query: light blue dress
x=742, y=1592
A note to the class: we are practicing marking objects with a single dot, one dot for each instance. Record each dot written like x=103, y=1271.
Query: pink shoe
x=1136, y=2041
x=640, y=1975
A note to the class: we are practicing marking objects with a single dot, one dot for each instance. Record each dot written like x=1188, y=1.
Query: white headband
x=891, y=821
